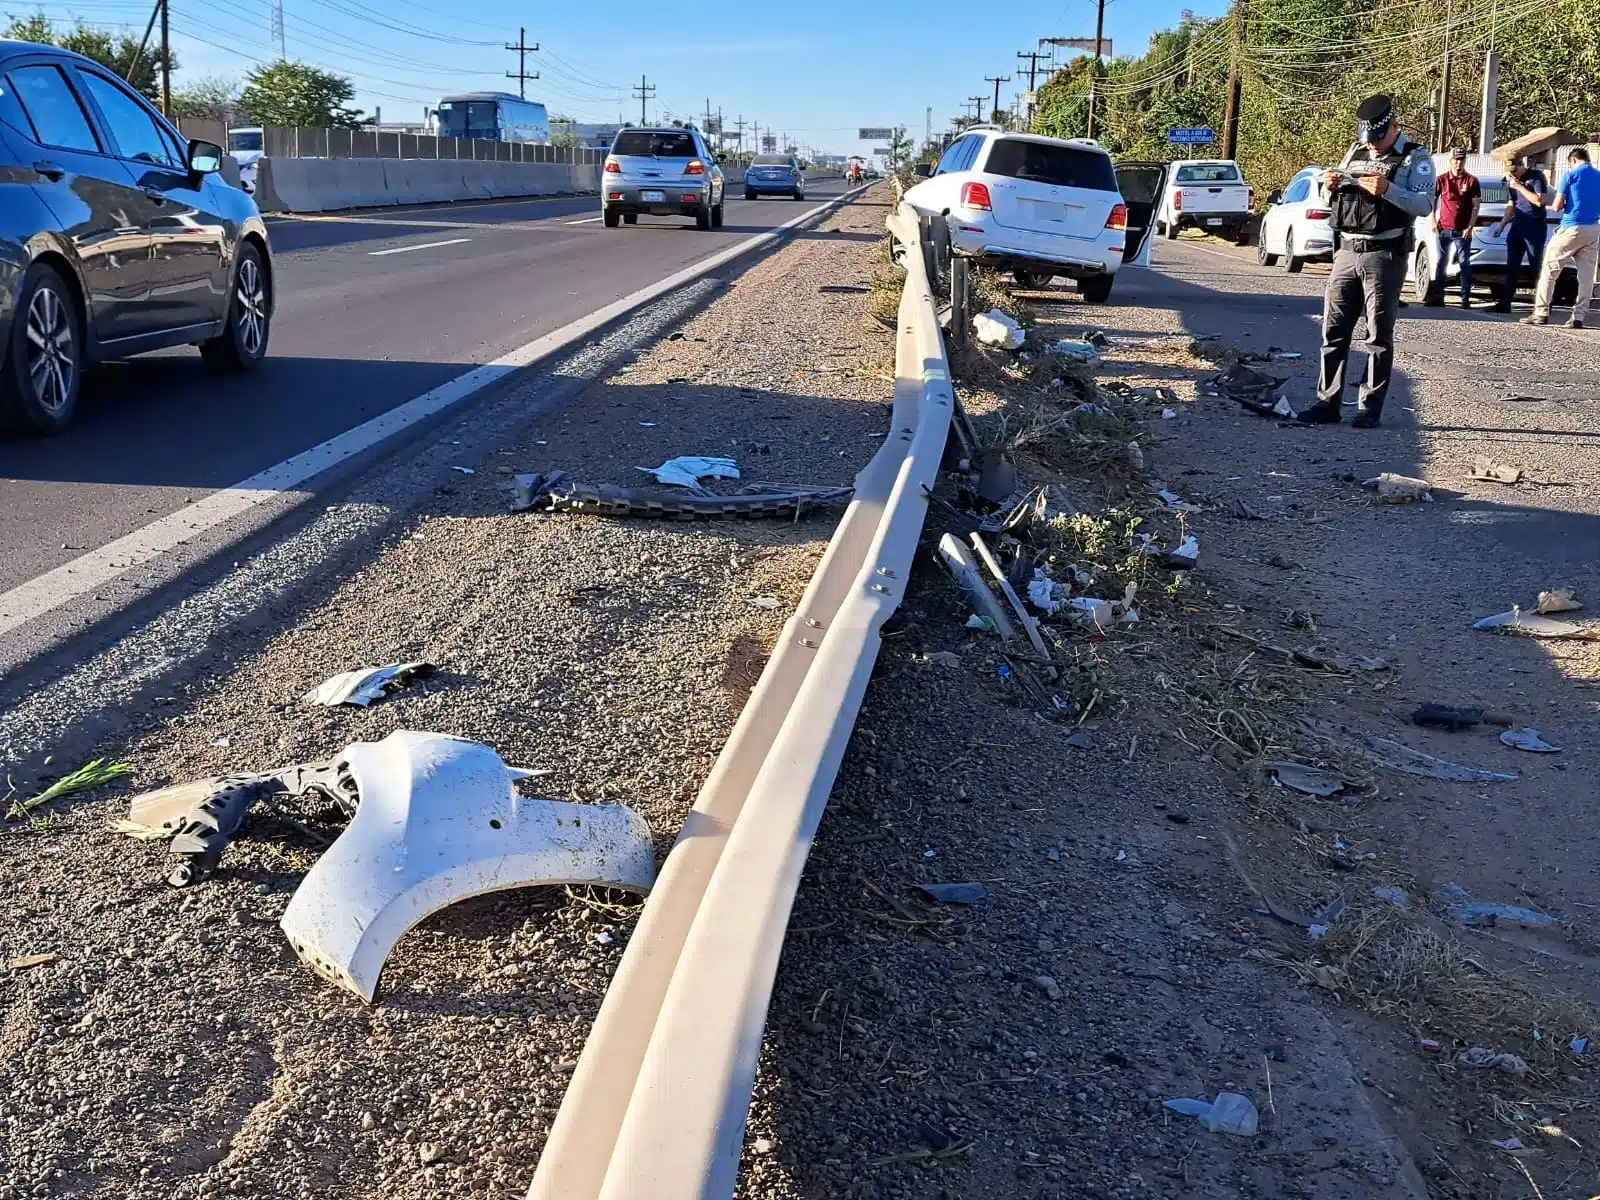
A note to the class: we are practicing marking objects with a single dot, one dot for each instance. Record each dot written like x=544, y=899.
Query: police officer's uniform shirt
x=1411, y=186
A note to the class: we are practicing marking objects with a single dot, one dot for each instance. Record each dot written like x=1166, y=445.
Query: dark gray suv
x=117, y=236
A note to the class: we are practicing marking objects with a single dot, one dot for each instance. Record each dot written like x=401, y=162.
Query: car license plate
x=653, y=197
x=1213, y=220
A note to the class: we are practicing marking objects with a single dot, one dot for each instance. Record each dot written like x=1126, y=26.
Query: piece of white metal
x=362, y=687
x=439, y=821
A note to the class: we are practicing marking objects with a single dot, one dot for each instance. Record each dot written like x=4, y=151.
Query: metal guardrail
x=658, y=1103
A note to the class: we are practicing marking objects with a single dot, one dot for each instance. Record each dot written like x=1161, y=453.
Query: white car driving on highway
x=1295, y=228
x=1036, y=206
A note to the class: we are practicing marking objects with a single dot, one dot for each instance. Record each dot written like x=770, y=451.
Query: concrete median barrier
x=310, y=185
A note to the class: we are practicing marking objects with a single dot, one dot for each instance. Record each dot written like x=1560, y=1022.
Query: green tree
x=113, y=50
x=900, y=148
x=210, y=98
x=289, y=93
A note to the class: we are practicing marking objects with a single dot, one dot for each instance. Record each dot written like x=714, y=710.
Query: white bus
x=491, y=116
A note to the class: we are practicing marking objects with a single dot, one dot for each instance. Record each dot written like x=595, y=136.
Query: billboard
x=875, y=133
x=769, y=143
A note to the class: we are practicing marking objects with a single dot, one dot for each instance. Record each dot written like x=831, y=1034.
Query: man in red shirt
x=1454, y=216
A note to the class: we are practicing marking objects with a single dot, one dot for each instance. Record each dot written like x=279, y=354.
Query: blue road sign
x=1191, y=137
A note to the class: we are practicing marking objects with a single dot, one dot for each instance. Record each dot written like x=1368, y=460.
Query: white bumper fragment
x=439, y=821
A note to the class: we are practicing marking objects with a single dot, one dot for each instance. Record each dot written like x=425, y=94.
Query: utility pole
x=997, y=80
x=1443, y=131
x=1033, y=57
x=1094, y=83
x=642, y=93
x=1230, y=122
x=1491, y=101
x=722, y=132
x=927, y=127
x=166, y=63
x=521, y=73
x=978, y=102
x=739, y=125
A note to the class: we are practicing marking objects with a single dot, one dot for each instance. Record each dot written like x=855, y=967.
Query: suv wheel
x=716, y=217
x=1097, y=288
x=242, y=344
x=1033, y=279
x=702, y=218
x=1292, y=262
x=1172, y=231
x=611, y=217
x=44, y=360
x=749, y=195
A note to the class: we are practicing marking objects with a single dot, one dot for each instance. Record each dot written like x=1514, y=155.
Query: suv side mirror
x=205, y=158
x=1275, y=198
x=922, y=170
x=722, y=158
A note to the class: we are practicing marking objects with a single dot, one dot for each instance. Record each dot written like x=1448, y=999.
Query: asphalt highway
x=373, y=309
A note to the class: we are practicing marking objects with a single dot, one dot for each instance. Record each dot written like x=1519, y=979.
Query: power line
x=642, y=94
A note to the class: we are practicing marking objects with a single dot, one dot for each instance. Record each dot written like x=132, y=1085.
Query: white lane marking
x=585, y=221
x=95, y=569
x=423, y=246
x=1233, y=258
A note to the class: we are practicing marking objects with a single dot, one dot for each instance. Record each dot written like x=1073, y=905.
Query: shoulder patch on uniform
x=1422, y=172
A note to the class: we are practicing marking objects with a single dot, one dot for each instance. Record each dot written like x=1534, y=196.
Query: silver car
x=662, y=172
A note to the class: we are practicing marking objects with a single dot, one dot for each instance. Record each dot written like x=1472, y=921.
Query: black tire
x=1292, y=262
x=1566, y=290
x=1172, y=232
x=1421, y=276
x=749, y=195
x=242, y=344
x=1033, y=279
x=797, y=194
x=44, y=356
x=1263, y=257
x=940, y=241
x=716, y=217
x=611, y=217
x=1161, y=229
x=630, y=218
x=1097, y=288
x=702, y=219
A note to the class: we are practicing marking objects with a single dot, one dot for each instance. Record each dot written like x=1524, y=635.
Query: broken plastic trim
x=439, y=821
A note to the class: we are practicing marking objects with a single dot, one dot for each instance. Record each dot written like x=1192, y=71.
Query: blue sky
x=817, y=70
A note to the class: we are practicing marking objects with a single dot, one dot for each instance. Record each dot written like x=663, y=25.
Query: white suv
x=1037, y=206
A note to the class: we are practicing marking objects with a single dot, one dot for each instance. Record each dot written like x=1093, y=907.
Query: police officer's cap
x=1373, y=117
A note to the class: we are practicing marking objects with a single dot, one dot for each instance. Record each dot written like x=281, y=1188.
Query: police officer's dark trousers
x=1524, y=239
x=1364, y=282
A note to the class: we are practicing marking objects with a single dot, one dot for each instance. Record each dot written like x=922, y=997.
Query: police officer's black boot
x=1318, y=414
x=1367, y=417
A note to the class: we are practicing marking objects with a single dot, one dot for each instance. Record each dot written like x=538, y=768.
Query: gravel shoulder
x=174, y=1048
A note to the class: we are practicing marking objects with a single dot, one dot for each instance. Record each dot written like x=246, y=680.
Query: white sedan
x=1295, y=227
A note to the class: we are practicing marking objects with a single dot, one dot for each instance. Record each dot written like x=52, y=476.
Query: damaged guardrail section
x=658, y=1103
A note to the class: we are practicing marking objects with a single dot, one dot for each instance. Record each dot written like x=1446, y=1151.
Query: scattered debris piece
x=1488, y=1060
x=1399, y=489
x=1578, y=1045
x=1529, y=740
x=984, y=623
x=1101, y=615
x=1557, y=600
x=464, y=470
x=766, y=603
x=1485, y=468
x=440, y=820
x=1082, y=739
x=221, y=743
x=1523, y=398
x=32, y=960
x=364, y=686
x=1398, y=897
x=1097, y=338
x=954, y=893
x=1168, y=414
x=1084, y=352
x=994, y=328
x=997, y=477
x=1487, y=916
x=1173, y=501
x=554, y=491
x=90, y=775
x=1029, y=625
x=1394, y=756
x=964, y=567
x=1046, y=594
x=1513, y=1146
x=1445, y=716
x=830, y=289
x=1228, y=1113
x=1533, y=625
x=1431, y=1045
x=1242, y=510
x=1313, y=781
x=688, y=470
x=943, y=658
x=1185, y=558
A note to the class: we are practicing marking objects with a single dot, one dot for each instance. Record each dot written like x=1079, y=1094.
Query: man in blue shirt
x=1577, y=240
x=1524, y=227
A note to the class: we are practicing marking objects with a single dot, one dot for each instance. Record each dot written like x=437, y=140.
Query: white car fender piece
x=439, y=821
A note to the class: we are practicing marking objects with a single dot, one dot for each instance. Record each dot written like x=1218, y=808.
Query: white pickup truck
x=1208, y=194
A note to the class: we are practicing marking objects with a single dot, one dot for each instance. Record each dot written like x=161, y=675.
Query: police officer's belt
x=1364, y=245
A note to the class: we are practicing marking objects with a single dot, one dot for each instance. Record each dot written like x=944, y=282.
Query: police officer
x=1383, y=185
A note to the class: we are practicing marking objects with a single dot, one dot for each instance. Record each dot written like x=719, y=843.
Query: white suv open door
x=1142, y=185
